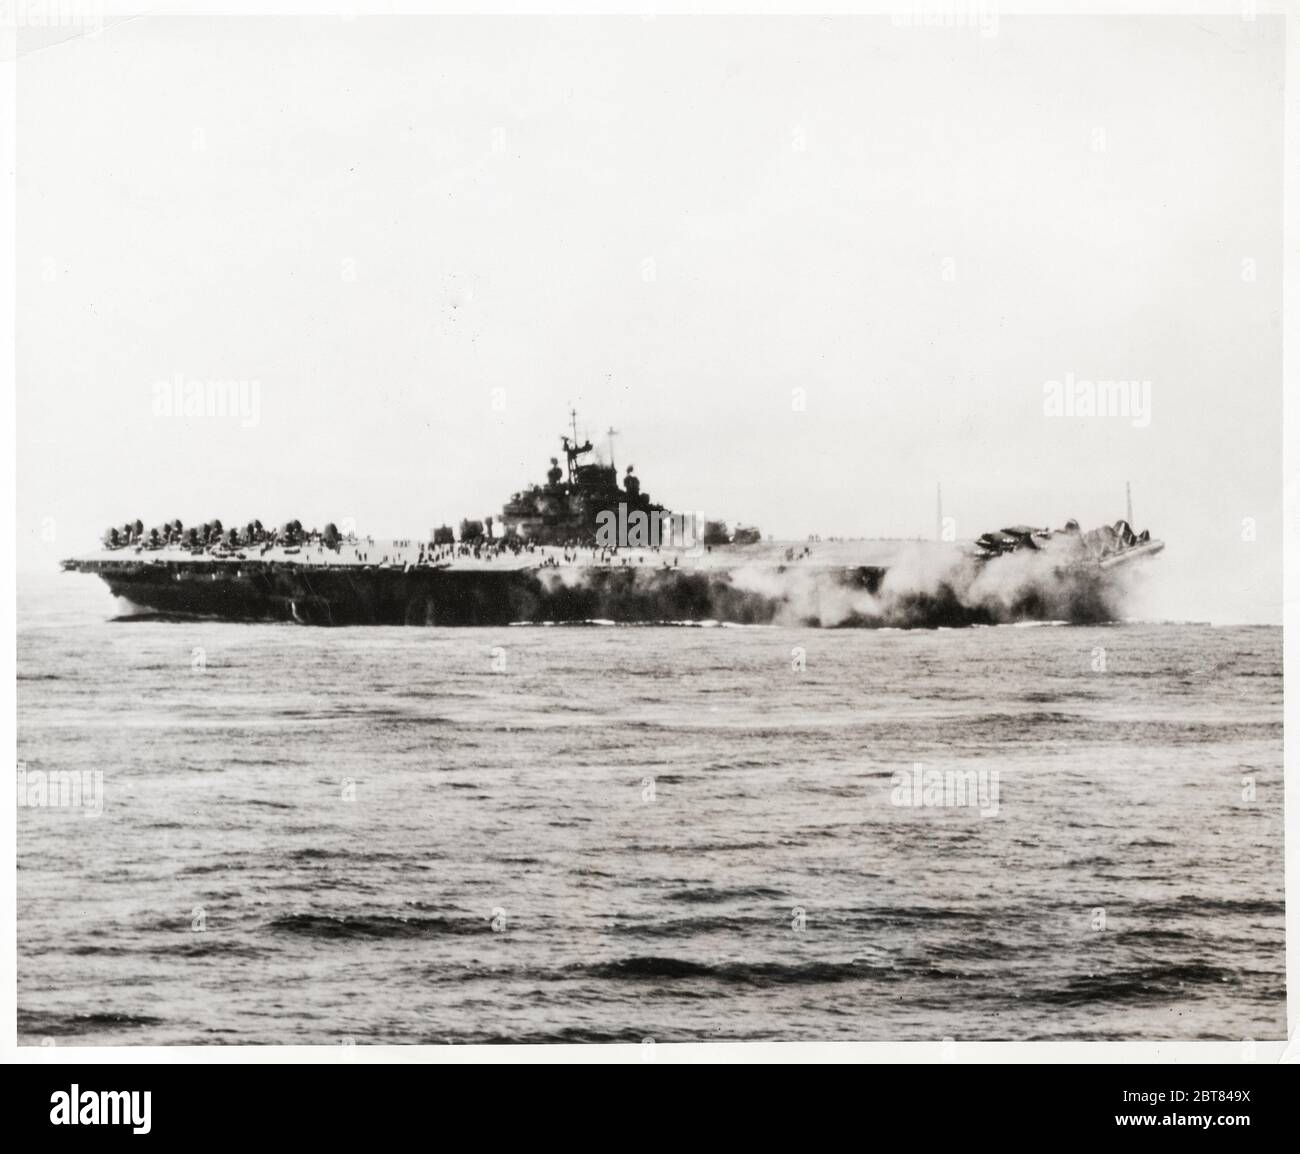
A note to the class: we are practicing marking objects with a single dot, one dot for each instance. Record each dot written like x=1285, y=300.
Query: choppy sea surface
x=612, y=834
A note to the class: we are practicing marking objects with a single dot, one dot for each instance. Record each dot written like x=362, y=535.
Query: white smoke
x=923, y=585
x=927, y=586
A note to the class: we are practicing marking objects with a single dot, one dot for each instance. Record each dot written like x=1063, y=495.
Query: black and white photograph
x=616, y=531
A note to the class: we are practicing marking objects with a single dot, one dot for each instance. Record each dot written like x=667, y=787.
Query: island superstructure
x=566, y=510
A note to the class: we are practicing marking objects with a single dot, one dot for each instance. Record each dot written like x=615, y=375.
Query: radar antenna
x=573, y=450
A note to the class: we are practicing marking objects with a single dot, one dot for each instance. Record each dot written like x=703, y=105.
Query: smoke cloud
x=926, y=588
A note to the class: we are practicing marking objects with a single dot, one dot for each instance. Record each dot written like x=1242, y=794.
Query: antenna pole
x=612, y=432
x=1128, y=493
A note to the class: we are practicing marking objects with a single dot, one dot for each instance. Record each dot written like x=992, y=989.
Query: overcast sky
x=671, y=224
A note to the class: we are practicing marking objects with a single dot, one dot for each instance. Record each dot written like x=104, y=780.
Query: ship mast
x=573, y=450
x=612, y=432
x=569, y=446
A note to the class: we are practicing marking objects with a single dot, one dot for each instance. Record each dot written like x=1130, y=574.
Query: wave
x=1153, y=983
x=1190, y=904
x=652, y=967
x=57, y=1024
x=709, y=895
x=327, y=927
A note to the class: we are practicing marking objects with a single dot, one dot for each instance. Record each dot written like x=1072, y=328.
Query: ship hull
x=344, y=595
x=740, y=586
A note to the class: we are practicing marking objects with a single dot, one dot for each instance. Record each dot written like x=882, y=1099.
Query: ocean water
x=607, y=833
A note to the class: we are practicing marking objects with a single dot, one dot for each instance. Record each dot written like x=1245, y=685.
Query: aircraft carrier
x=584, y=548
